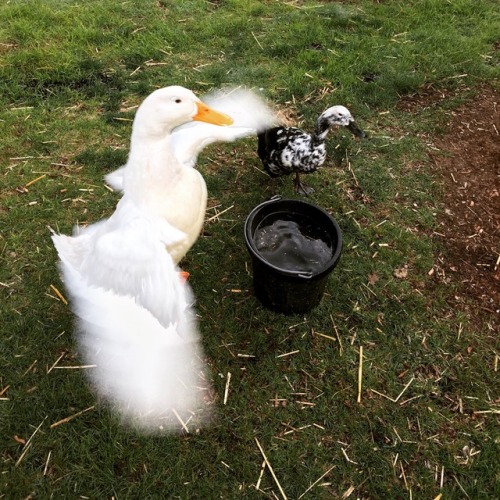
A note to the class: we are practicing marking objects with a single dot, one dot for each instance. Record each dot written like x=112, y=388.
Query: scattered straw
x=28, y=443
x=348, y=492
x=216, y=216
x=347, y=458
x=287, y=354
x=460, y=486
x=79, y=367
x=325, y=336
x=35, y=180
x=47, y=464
x=271, y=470
x=71, y=417
x=341, y=348
x=404, y=389
x=59, y=294
x=403, y=475
x=360, y=373
x=226, y=391
x=349, y=167
x=317, y=481
x=262, y=469
x=178, y=417
x=256, y=39
x=400, y=394
x=30, y=368
x=56, y=361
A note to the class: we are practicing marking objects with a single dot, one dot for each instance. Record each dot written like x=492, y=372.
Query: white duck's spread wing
x=190, y=139
x=151, y=374
x=245, y=107
x=132, y=260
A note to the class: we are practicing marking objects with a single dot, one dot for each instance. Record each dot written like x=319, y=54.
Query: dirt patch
x=467, y=161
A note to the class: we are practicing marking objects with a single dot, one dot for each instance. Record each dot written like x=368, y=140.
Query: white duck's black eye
x=178, y=101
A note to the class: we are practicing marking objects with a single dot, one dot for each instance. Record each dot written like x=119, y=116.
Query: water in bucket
x=293, y=245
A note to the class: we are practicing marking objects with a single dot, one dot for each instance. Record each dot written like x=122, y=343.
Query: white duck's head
x=339, y=116
x=169, y=107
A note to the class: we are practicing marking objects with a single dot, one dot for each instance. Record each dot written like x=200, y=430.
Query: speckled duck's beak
x=353, y=127
x=209, y=115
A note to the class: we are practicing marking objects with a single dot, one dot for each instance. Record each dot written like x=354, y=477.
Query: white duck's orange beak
x=209, y=115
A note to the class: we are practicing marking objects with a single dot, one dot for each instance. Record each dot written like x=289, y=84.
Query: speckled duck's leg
x=300, y=187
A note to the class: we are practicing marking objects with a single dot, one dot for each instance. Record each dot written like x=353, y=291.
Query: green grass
x=70, y=74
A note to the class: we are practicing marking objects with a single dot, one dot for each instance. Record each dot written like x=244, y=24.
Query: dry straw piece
x=271, y=470
x=226, y=390
x=71, y=417
x=29, y=443
x=360, y=373
x=317, y=481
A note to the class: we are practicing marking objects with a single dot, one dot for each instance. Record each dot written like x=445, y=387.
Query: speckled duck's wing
x=284, y=150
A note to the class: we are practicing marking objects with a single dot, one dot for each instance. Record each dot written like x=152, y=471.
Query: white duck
x=250, y=115
x=135, y=318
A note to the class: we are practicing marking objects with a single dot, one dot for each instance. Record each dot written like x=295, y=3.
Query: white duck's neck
x=151, y=166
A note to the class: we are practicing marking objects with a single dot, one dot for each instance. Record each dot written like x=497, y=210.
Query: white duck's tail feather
x=152, y=375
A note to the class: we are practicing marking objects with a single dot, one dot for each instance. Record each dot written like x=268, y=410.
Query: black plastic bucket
x=284, y=290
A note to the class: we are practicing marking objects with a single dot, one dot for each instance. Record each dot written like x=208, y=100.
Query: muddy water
x=288, y=245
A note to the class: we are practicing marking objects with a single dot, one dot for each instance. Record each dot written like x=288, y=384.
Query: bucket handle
x=308, y=275
x=276, y=197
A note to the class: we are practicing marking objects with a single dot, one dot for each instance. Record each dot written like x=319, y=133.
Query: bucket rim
x=276, y=200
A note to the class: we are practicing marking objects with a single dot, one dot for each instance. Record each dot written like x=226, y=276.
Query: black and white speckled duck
x=284, y=150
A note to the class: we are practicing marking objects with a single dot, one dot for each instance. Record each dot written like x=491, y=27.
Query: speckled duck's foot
x=302, y=188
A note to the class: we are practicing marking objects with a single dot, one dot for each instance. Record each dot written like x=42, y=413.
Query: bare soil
x=467, y=165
